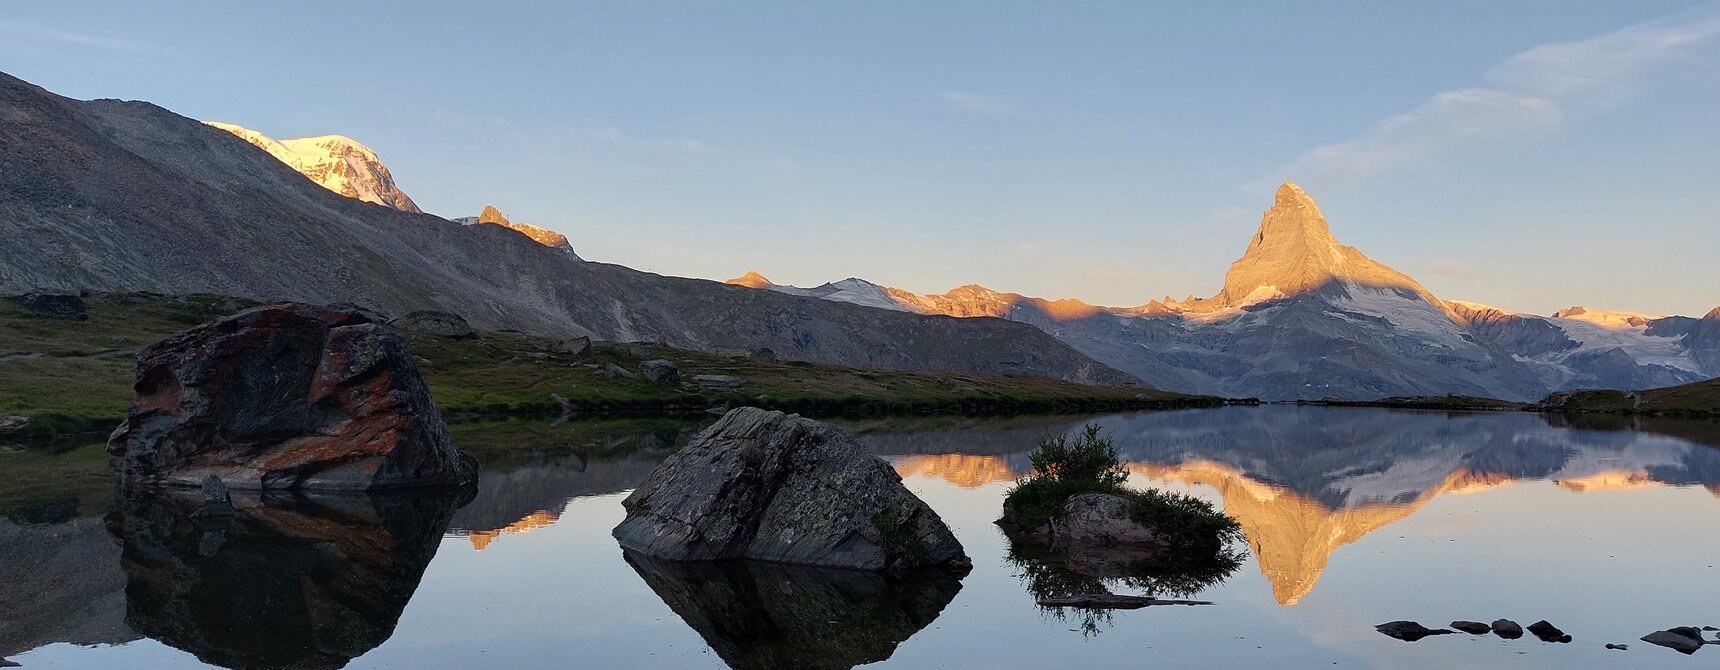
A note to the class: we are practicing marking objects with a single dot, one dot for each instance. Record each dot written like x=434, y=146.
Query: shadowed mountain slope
x=126, y=196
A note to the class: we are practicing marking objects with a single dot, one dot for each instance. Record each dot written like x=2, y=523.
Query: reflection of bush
x=1050, y=572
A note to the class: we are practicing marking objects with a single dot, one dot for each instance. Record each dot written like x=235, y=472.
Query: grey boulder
x=1507, y=629
x=1098, y=520
x=53, y=305
x=659, y=371
x=1471, y=627
x=717, y=382
x=441, y=324
x=778, y=487
x=1675, y=639
x=1409, y=631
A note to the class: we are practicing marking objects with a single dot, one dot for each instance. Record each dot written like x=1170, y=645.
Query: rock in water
x=660, y=371
x=53, y=305
x=1674, y=639
x=1097, y=520
x=782, y=488
x=1507, y=629
x=1548, y=632
x=441, y=324
x=1471, y=627
x=285, y=397
x=1409, y=631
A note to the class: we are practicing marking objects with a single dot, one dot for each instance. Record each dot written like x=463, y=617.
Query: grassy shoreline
x=67, y=377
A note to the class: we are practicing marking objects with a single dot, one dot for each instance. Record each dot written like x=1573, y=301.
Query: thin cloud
x=977, y=104
x=1527, y=92
x=50, y=34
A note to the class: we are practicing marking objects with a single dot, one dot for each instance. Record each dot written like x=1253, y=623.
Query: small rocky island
x=286, y=396
x=778, y=487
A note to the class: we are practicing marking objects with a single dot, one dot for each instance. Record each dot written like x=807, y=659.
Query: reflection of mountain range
x=52, y=594
x=534, y=496
x=1304, y=481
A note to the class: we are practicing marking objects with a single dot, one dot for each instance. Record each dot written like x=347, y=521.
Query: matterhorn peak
x=752, y=279
x=335, y=162
x=1293, y=252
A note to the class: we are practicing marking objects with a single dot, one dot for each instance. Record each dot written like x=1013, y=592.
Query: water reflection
x=1304, y=481
x=285, y=581
x=766, y=616
x=1050, y=572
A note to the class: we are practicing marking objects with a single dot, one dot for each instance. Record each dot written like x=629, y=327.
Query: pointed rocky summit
x=751, y=280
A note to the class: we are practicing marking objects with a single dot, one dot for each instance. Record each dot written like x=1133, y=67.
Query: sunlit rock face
x=335, y=162
x=282, y=582
x=549, y=238
x=762, y=616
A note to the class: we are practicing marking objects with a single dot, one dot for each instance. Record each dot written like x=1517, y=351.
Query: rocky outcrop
x=1097, y=520
x=286, y=396
x=52, y=305
x=440, y=324
x=782, y=488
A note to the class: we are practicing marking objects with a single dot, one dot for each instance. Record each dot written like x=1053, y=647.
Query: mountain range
x=114, y=196
x=107, y=195
x=1302, y=317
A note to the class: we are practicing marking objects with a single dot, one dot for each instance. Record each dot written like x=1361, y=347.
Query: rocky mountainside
x=118, y=196
x=335, y=162
x=543, y=236
x=1304, y=317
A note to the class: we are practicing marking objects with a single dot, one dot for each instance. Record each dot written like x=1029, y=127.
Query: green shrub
x=1089, y=464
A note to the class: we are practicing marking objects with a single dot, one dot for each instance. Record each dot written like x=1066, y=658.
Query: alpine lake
x=1605, y=526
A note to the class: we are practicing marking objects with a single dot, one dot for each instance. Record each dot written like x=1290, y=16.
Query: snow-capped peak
x=336, y=162
x=1605, y=318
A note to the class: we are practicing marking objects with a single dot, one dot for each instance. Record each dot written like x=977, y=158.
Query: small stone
x=1409, y=631
x=1507, y=629
x=659, y=371
x=1678, y=642
x=717, y=382
x=1548, y=632
x=1619, y=647
x=1471, y=627
x=9, y=663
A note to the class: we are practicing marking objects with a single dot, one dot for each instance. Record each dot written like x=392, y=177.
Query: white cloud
x=1527, y=92
x=977, y=104
x=41, y=32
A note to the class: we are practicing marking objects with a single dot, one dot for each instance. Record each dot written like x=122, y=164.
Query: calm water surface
x=1353, y=517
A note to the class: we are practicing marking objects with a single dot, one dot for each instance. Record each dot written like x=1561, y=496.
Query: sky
x=1532, y=155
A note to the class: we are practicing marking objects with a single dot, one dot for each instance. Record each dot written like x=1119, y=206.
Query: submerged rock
x=285, y=397
x=1676, y=639
x=764, y=616
x=1409, y=631
x=779, y=487
x=1507, y=629
x=1471, y=627
x=441, y=324
x=68, y=306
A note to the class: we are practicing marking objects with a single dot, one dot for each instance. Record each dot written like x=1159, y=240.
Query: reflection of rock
x=62, y=583
x=1052, y=574
x=288, y=396
x=285, y=582
x=769, y=616
x=770, y=486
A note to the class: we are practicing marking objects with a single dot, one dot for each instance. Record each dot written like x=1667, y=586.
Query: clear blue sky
x=1532, y=154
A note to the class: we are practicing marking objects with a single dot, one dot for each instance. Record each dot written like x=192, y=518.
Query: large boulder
x=1098, y=520
x=285, y=397
x=441, y=324
x=778, y=487
x=660, y=371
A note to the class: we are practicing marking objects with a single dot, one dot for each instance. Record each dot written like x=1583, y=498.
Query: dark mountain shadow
x=760, y=616
x=284, y=581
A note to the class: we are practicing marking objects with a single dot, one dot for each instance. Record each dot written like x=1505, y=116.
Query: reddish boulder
x=287, y=396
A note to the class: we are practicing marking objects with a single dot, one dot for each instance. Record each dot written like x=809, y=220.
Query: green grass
x=76, y=376
x=1695, y=400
